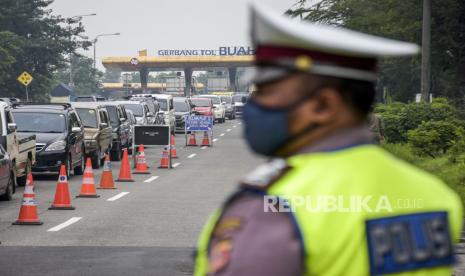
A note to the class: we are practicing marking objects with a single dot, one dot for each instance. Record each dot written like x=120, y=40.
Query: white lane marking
x=151, y=179
x=222, y=134
x=176, y=165
x=215, y=140
x=204, y=147
x=239, y=123
x=234, y=126
x=191, y=156
x=64, y=224
x=228, y=130
x=118, y=196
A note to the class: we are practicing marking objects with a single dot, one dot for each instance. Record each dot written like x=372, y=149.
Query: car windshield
x=215, y=100
x=137, y=109
x=113, y=112
x=181, y=106
x=163, y=104
x=226, y=99
x=40, y=122
x=85, y=99
x=88, y=117
x=201, y=103
x=238, y=98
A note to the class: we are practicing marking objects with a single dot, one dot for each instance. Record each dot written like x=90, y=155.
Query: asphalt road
x=151, y=230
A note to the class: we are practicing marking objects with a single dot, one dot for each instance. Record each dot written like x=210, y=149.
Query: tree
x=85, y=78
x=402, y=20
x=40, y=41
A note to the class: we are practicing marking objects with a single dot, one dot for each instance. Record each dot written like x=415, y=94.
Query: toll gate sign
x=199, y=123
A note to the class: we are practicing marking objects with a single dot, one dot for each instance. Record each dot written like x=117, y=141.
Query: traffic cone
x=192, y=141
x=88, y=182
x=62, y=198
x=28, y=212
x=174, y=152
x=141, y=164
x=125, y=169
x=205, y=140
x=29, y=180
x=165, y=162
x=106, y=180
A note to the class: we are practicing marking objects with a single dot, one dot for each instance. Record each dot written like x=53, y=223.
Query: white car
x=219, y=113
x=166, y=109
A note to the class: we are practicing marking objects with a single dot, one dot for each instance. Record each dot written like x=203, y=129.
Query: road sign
x=25, y=78
x=199, y=123
x=134, y=61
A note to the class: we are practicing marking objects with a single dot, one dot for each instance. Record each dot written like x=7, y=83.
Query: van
x=166, y=109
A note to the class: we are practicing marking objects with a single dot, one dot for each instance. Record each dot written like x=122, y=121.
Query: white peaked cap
x=277, y=37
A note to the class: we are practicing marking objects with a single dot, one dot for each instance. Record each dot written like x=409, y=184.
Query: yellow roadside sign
x=25, y=78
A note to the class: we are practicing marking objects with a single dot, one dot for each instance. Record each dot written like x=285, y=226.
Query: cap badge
x=303, y=63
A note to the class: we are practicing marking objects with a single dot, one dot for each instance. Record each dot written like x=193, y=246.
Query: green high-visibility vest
x=363, y=212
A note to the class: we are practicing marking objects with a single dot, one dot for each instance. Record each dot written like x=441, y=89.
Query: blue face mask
x=267, y=129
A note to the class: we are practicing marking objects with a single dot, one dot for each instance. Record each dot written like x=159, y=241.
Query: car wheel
x=79, y=170
x=23, y=179
x=115, y=154
x=96, y=160
x=69, y=167
x=10, y=188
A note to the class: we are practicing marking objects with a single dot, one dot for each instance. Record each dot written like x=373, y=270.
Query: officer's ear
x=327, y=106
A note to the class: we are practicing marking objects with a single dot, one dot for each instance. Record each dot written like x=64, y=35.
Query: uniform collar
x=341, y=139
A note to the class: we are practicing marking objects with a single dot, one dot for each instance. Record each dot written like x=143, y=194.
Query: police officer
x=329, y=202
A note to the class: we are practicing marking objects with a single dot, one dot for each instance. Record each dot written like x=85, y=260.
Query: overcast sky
x=164, y=24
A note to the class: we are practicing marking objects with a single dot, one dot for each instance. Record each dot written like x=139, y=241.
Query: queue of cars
x=40, y=137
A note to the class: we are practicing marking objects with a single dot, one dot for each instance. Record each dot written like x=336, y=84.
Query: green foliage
x=85, y=78
x=433, y=137
x=403, y=20
x=400, y=118
x=33, y=39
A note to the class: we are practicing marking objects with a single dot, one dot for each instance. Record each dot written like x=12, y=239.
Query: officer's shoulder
x=265, y=175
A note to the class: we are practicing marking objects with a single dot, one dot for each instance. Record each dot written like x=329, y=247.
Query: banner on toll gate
x=199, y=123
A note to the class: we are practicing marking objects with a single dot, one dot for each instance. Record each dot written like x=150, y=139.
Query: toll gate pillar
x=144, y=75
x=188, y=79
x=232, y=78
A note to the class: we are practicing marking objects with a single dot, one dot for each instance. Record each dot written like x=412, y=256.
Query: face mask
x=267, y=129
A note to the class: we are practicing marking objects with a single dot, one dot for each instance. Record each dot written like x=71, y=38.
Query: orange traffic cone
x=192, y=141
x=205, y=140
x=106, y=180
x=165, y=162
x=174, y=152
x=125, y=169
x=29, y=180
x=62, y=198
x=141, y=165
x=88, y=182
x=28, y=212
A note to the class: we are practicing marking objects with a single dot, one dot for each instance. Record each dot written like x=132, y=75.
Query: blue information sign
x=199, y=123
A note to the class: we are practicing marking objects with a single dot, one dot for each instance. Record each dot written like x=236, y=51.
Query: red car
x=202, y=106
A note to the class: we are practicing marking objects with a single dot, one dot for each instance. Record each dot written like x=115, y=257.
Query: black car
x=182, y=108
x=7, y=176
x=121, y=129
x=59, y=135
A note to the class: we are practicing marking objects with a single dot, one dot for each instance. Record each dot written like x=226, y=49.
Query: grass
x=453, y=174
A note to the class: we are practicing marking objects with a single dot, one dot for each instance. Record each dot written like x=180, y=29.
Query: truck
x=21, y=149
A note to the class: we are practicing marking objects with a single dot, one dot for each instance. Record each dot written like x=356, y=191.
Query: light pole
x=77, y=17
x=95, y=47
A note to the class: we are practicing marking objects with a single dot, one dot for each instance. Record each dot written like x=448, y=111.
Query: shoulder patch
x=408, y=242
x=265, y=175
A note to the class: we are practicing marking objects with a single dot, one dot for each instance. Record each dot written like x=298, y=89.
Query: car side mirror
x=76, y=130
x=103, y=125
x=12, y=127
x=149, y=114
x=224, y=103
x=213, y=107
x=244, y=100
